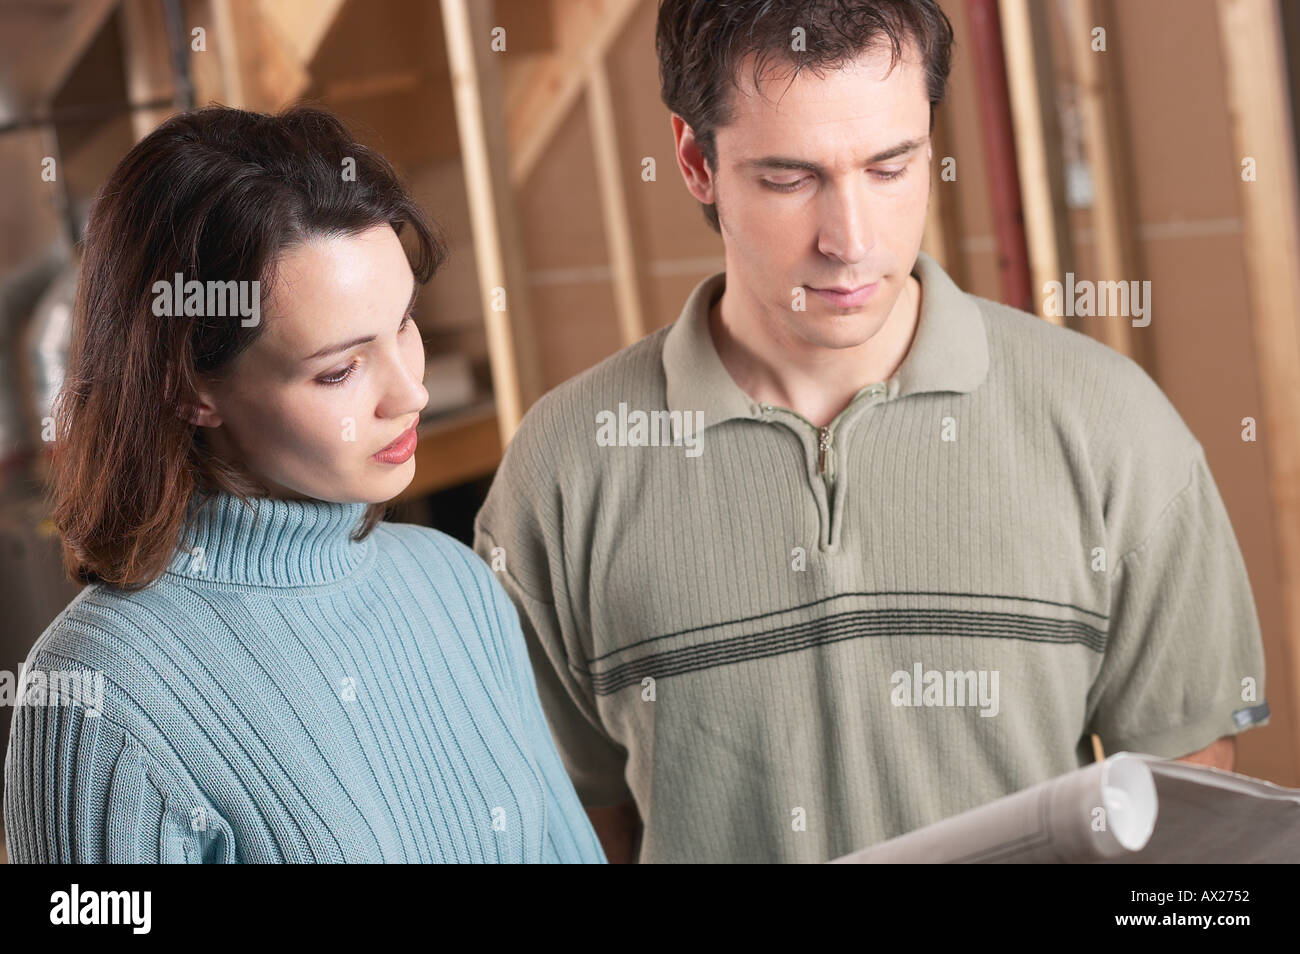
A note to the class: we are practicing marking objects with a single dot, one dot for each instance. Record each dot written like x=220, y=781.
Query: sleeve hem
x=1181, y=740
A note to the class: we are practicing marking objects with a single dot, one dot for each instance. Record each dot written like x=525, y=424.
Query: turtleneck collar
x=269, y=542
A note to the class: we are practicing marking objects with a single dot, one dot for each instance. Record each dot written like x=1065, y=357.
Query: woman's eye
x=408, y=319
x=340, y=376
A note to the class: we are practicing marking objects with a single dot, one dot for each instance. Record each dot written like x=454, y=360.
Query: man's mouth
x=845, y=296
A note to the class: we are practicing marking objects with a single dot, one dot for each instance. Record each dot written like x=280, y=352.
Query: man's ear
x=690, y=159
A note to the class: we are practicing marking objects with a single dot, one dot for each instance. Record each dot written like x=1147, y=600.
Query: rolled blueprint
x=1128, y=809
x=1097, y=813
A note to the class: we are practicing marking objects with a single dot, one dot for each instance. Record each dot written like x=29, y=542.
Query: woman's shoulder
x=115, y=632
x=100, y=646
x=87, y=627
x=451, y=567
x=445, y=560
x=432, y=549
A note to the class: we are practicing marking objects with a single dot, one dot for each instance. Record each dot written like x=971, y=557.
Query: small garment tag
x=1251, y=715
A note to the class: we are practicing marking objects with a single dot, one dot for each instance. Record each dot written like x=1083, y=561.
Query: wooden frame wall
x=1259, y=103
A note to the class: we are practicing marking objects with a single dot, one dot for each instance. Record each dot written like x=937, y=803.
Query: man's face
x=814, y=195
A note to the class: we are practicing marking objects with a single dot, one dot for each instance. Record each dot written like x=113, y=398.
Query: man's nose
x=847, y=233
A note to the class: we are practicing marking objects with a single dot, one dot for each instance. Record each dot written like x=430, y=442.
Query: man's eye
x=785, y=186
x=887, y=175
x=339, y=376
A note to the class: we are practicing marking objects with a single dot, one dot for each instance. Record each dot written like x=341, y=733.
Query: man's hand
x=619, y=829
x=1220, y=754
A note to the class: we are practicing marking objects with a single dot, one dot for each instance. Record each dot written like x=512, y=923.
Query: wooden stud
x=942, y=225
x=1038, y=153
x=613, y=206
x=146, y=57
x=223, y=37
x=498, y=248
x=1259, y=105
x=1113, y=209
x=542, y=92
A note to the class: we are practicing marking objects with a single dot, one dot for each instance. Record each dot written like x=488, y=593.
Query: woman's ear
x=202, y=412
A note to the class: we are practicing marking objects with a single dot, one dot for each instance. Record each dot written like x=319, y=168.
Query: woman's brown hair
x=214, y=194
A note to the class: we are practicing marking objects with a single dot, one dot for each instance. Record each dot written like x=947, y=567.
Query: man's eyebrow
x=344, y=346
x=785, y=162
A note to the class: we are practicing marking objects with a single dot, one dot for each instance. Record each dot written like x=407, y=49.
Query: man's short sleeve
x=1184, y=661
x=516, y=533
x=594, y=761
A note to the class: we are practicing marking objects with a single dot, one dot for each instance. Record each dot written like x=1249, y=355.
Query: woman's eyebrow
x=785, y=162
x=344, y=346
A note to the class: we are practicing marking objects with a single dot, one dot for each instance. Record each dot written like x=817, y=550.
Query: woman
x=261, y=669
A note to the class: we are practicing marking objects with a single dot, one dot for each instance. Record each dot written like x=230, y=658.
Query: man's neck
x=816, y=383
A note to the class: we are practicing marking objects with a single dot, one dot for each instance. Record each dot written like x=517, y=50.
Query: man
x=846, y=550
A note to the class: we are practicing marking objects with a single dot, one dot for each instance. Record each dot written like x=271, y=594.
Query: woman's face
x=336, y=376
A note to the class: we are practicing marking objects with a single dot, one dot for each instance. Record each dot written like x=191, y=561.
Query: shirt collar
x=949, y=350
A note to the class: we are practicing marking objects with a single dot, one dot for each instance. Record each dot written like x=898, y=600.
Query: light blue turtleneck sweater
x=285, y=694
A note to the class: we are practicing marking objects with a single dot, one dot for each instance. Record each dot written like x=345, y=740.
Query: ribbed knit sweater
x=284, y=693
x=784, y=643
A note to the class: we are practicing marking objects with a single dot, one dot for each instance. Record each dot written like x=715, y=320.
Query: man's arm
x=1184, y=657
x=619, y=829
x=1220, y=754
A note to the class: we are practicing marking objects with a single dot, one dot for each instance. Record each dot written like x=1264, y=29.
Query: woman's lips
x=847, y=298
x=400, y=450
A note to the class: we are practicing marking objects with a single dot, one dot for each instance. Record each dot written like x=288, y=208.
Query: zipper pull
x=824, y=445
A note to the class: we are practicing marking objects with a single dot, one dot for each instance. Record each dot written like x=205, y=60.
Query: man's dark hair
x=701, y=44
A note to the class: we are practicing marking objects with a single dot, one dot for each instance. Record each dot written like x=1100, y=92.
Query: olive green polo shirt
x=785, y=642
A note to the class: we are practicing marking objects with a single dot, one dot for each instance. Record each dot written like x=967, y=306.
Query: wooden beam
x=1038, y=153
x=997, y=141
x=46, y=69
x=1106, y=147
x=205, y=68
x=223, y=40
x=613, y=206
x=1259, y=106
x=942, y=223
x=545, y=87
x=300, y=25
x=146, y=57
x=498, y=248
x=259, y=71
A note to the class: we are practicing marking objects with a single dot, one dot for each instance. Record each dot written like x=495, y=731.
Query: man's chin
x=839, y=331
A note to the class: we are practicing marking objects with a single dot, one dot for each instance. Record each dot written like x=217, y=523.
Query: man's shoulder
x=1015, y=335
x=1074, y=374
x=564, y=418
x=1119, y=424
